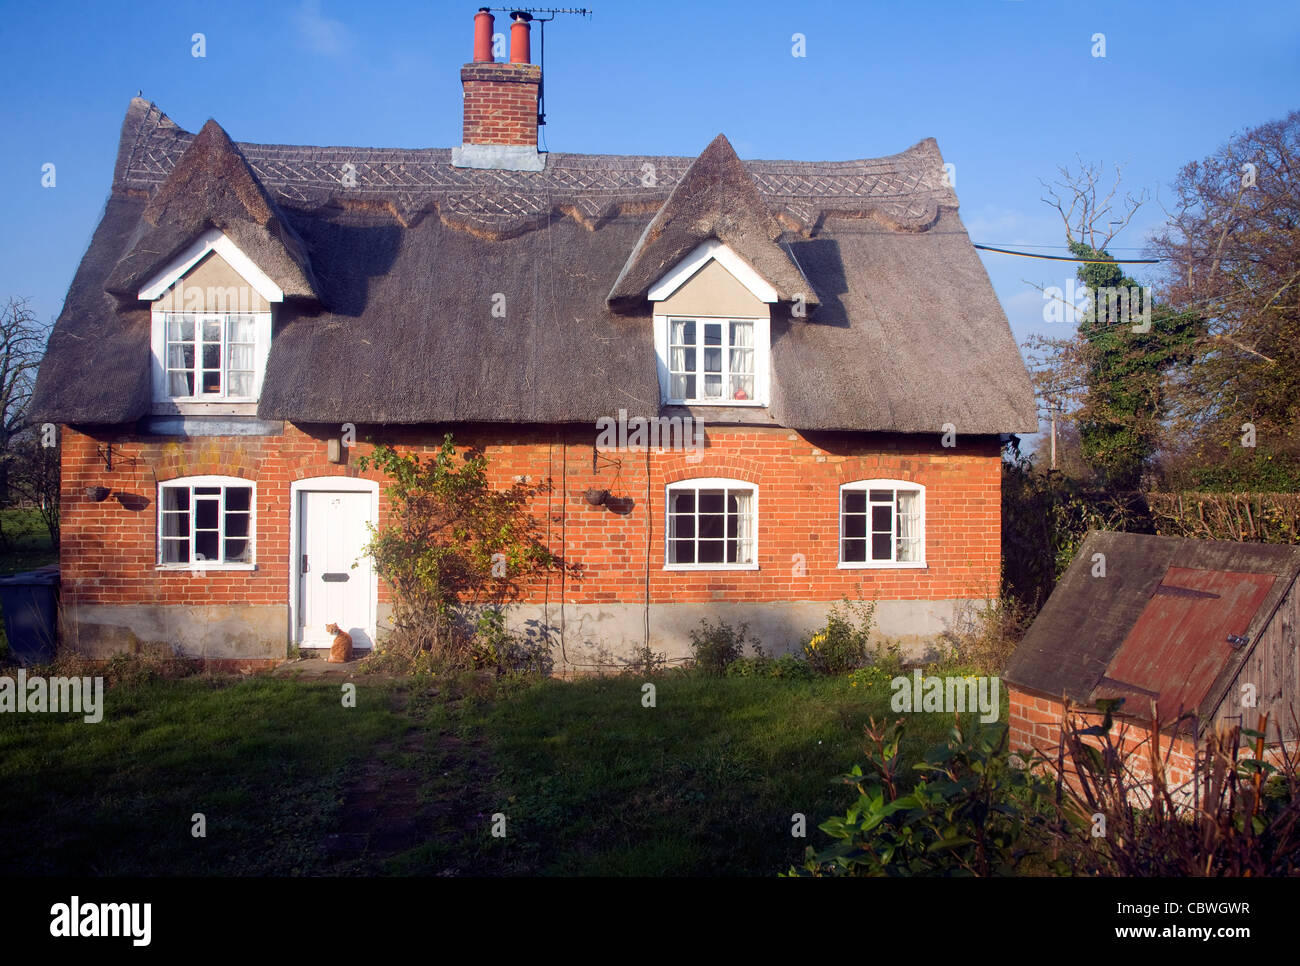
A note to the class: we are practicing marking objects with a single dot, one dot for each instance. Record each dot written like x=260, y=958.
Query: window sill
x=883, y=565
x=748, y=403
x=193, y=568
x=713, y=567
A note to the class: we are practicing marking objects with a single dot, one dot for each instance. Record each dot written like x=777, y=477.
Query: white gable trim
x=212, y=240
x=712, y=250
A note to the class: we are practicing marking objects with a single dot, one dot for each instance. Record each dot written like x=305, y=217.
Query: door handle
x=304, y=563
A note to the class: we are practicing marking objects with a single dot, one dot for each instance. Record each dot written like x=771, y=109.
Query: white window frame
x=710, y=483
x=261, y=350
x=190, y=482
x=762, y=349
x=891, y=564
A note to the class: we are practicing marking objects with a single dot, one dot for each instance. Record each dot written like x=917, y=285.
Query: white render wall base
x=604, y=636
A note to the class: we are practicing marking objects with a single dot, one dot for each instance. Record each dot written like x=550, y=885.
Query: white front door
x=334, y=576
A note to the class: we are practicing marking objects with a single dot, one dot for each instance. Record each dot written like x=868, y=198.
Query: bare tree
x=28, y=470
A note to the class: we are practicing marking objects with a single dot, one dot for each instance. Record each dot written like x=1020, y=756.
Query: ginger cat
x=341, y=651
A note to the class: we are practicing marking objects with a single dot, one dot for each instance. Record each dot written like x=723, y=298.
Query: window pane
x=882, y=496
x=882, y=519
x=712, y=387
x=855, y=501
x=205, y=514
x=855, y=525
x=880, y=545
x=683, y=387
x=206, y=546
x=238, y=497
x=180, y=355
x=711, y=551
x=211, y=356
x=742, y=334
x=712, y=360
x=713, y=333
x=176, y=551
x=239, y=328
x=212, y=330
x=211, y=382
x=181, y=384
x=240, y=357
x=236, y=551
x=683, y=333
x=240, y=384
x=237, y=524
x=180, y=328
x=711, y=501
x=176, y=498
x=854, y=551
x=684, y=501
x=682, y=551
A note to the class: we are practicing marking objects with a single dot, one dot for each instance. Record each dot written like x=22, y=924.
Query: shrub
x=451, y=541
x=984, y=639
x=844, y=643
x=716, y=646
x=496, y=648
x=787, y=666
x=960, y=818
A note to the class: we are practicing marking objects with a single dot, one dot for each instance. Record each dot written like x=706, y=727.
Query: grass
x=24, y=545
x=589, y=781
x=264, y=760
x=24, y=541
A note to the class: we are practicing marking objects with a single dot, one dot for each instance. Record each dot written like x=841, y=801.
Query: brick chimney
x=500, y=126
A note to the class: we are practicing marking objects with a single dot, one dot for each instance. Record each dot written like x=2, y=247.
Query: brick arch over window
x=855, y=468
x=228, y=462
x=733, y=467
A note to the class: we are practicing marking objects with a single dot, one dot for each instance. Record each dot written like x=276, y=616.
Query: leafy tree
x=451, y=541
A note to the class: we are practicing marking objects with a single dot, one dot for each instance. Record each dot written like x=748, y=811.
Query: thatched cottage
x=242, y=309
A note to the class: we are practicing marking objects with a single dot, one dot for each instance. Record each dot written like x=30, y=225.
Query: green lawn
x=24, y=542
x=589, y=781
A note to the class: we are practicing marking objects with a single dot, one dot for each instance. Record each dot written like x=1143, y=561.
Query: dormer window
x=211, y=330
x=712, y=330
x=711, y=360
x=213, y=356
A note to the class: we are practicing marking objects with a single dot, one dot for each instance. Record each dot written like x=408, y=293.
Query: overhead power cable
x=1071, y=258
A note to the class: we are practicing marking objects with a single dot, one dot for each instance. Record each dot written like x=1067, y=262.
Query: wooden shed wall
x=1274, y=668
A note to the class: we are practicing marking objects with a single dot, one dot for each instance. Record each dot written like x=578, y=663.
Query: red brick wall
x=1035, y=723
x=500, y=103
x=108, y=553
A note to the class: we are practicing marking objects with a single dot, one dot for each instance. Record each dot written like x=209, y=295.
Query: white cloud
x=321, y=34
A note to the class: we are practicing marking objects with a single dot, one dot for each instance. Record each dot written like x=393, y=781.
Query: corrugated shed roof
x=1155, y=626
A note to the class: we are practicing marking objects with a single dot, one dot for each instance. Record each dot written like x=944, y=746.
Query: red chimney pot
x=483, y=23
x=519, y=33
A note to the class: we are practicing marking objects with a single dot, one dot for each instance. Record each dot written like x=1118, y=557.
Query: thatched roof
x=715, y=198
x=1093, y=615
x=212, y=187
x=400, y=255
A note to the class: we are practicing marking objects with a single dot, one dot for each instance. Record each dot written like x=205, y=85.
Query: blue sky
x=1009, y=88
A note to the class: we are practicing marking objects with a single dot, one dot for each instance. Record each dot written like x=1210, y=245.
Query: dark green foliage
x=716, y=646
x=845, y=642
x=963, y=816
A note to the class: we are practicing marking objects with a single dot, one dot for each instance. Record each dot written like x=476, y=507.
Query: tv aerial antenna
x=533, y=14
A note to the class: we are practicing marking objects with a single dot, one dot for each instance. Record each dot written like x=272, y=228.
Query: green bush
x=787, y=666
x=844, y=643
x=968, y=814
x=716, y=646
x=496, y=648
